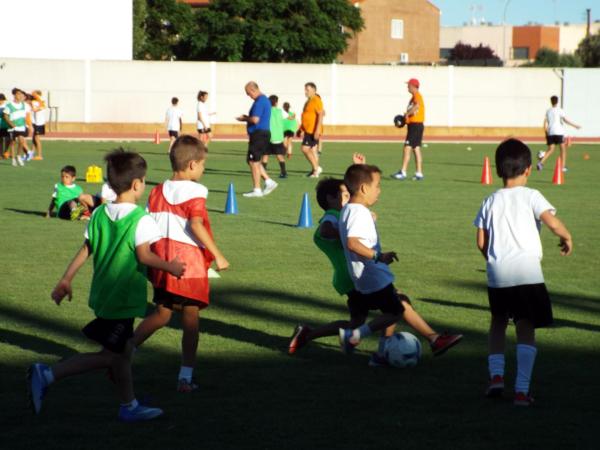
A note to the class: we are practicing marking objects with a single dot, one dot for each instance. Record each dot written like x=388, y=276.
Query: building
x=396, y=31
x=527, y=40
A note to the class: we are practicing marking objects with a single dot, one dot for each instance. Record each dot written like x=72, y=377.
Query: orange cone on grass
x=157, y=137
x=559, y=175
x=486, y=173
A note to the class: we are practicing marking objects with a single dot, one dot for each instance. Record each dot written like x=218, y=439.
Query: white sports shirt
x=555, y=117
x=173, y=116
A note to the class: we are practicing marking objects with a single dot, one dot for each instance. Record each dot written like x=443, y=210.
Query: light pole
x=504, y=30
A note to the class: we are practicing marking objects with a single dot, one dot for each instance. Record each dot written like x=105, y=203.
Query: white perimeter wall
x=138, y=91
x=66, y=29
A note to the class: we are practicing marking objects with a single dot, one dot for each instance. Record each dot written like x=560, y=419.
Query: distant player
x=277, y=147
x=118, y=239
x=555, y=133
x=15, y=114
x=311, y=128
x=174, y=121
x=508, y=235
x=38, y=108
x=4, y=139
x=290, y=126
x=203, y=118
x=179, y=207
x=65, y=198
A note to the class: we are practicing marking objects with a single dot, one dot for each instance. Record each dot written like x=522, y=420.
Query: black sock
x=282, y=167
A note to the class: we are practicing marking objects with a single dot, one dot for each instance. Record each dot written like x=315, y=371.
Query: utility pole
x=588, y=13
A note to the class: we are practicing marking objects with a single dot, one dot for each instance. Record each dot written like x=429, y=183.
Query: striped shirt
x=16, y=114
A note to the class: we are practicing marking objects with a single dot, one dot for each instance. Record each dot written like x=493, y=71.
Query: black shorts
x=288, y=134
x=309, y=140
x=387, y=300
x=258, y=145
x=174, y=301
x=13, y=135
x=39, y=130
x=204, y=130
x=3, y=132
x=64, y=212
x=528, y=301
x=112, y=334
x=414, y=134
x=174, y=134
x=555, y=139
x=276, y=149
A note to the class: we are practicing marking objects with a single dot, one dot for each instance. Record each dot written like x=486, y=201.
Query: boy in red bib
x=179, y=207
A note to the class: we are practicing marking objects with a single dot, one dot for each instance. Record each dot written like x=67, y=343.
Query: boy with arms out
x=508, y=237
x=118, y=238
x=368, y=267
x=179, y=207
x=555, y=133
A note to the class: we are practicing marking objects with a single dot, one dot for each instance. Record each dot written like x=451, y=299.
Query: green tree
x=588, y=51
x=139, y=30
x=547, y=57
x=313, y=31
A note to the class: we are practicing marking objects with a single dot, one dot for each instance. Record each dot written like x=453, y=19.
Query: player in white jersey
x=203, y=118
x=38, y=107
x=555, y=133
x=173, y=121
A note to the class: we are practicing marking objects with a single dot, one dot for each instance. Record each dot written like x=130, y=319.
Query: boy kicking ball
x=508, y=225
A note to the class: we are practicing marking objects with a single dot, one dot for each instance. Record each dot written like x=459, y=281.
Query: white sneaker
x=14, y=162
x=316, y=174
x=399, y=175
x=418, y=176
x=270, y=186
x=253, y=194
x=19, y=162
x=29, y=156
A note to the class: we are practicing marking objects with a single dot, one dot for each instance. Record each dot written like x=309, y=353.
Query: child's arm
x=63, y=287
x=50, y=208
x=202, y=235
x=148, y=258
x=568, y=122
x=558, y=228
x=355, y=246
x=482, y=241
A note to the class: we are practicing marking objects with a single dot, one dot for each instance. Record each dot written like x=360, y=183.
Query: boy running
x=555, y=133
x=174, y=121
x=179, y=207
x=118, y=238
x=508, y=235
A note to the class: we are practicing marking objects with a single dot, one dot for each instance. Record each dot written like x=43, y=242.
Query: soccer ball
x=399, y=121
x=541, y=154
x=402, y=350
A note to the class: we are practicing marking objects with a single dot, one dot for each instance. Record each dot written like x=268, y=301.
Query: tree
x=465, y=54
x=274, y=30
x=547, y=57
x=588, y=51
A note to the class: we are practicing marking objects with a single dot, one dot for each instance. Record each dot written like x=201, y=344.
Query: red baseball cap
x=414, y=82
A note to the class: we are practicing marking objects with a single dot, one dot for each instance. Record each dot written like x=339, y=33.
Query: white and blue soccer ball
x=402, y=350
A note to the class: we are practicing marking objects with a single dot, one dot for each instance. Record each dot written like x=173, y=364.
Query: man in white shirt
x=555, y=133
x=203, y=118
x=173, y=120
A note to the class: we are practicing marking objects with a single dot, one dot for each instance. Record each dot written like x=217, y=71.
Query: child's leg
x=81, y=363
x=121, y=371
x=282, y=169
x=563, y=155
x=497, y=341
x=548, y=153
x=526, y=353
x=86, y=200
x=158, y=319
x=417, y=323
x=189, y=341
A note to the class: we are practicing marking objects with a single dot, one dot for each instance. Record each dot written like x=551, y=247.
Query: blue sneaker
x=139, y=414
x=345, y=344
x=37, y=386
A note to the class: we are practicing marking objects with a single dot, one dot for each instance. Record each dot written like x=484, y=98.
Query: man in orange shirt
x=312, y=127
x=415, y=117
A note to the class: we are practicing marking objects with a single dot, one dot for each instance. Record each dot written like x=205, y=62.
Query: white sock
x=418, y=174
x=48, y=376
x=131, y=405
x=185, y=373
x=525, y=360
x=257, y=190
x=496, y=364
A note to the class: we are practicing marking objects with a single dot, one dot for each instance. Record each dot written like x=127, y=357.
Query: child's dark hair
x=186, y=148
x=273, y=99
x=286, y=106
x=174, y=101
x=122, y=167
x=554, y=100
x=201, y=94
x=311, y=84
x=2, y=97
x=327, y=187
x=358, y=174
x=70, y=170
x=513, y=157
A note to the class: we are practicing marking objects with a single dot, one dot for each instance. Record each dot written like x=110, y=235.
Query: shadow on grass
x=34, y=343
x=28, y=212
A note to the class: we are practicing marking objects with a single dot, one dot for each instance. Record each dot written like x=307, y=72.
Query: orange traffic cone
x=156, y=137
x=558, y=177
x=486, y=173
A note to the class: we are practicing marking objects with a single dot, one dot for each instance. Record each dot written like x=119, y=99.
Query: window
x=397, y=29
x=445, y=53
x=521, y=53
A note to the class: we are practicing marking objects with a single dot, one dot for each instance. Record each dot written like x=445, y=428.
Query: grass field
x=252, y=394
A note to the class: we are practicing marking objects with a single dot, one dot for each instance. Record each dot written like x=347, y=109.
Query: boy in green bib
x=65, y=198
x=118, y=238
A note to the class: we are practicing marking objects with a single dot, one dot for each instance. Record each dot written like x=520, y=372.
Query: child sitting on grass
x=65, y=198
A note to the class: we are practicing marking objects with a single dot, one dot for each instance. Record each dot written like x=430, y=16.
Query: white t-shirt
x=511, y=217
x=107, y=193
x=146, y=231
x=202, y=109
x=39, y=117
x=368, y=276
x=174, y=114
x=555, y=117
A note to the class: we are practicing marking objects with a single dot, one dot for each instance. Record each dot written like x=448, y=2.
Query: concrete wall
x=139, y=92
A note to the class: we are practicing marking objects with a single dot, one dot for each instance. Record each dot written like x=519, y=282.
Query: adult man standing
x=555, y=133
x=259, y=138
x=415, y=118
x=311, y=127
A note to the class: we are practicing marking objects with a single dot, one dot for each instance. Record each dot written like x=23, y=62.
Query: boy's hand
x=62, y=289
x=388, y=258
x=222, y=263
x=359, y=158
x=566, y=246
x=177, y=267
x=242, y=118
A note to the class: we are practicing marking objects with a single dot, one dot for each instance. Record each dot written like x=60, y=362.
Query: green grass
x=252, y=395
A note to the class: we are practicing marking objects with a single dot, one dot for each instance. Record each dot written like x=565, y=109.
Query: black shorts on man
x=13, y=135
x=309, y=140
x=39, y=130
x=204, y=130
x=112, y=334
x=258, y=145
x=414, y=134
x=174, y=134
x=527, y=301
x=554, y=139
x=386, y=300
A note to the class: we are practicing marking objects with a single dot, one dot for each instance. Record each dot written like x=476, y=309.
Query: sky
x=518, y=12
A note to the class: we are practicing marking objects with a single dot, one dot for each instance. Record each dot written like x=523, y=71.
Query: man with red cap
x=415, y=116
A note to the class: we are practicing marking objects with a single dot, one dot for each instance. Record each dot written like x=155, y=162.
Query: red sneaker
x=523, y=399
x=444, y=342
x=298, y=338
x=495, y=388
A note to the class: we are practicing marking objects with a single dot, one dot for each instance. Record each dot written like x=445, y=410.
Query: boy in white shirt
x=174, y=121
x=555, y=133
x=203, y=116
x=368, y=267
x=508, y=225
